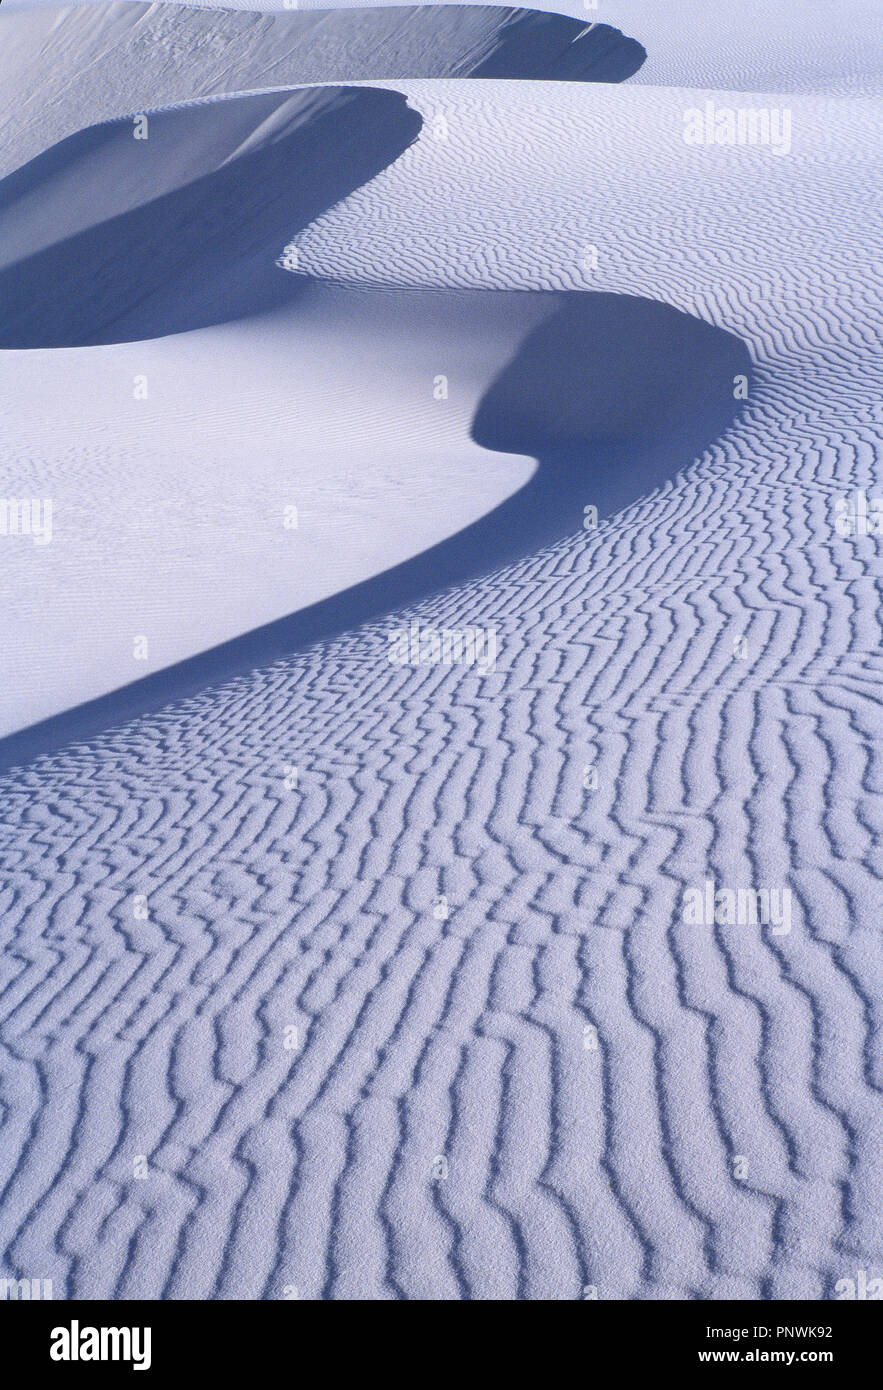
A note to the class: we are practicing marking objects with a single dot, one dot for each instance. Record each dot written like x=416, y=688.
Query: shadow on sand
x=612, y=394
x=195, y=250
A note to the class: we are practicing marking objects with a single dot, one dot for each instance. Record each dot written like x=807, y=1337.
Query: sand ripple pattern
x=463, y=1038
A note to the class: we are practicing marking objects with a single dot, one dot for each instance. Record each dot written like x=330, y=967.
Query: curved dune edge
x=398, y=1000
x=126, y=57
x=196, y=205
x=205, y=216
x=612, y=394
x=759, y=47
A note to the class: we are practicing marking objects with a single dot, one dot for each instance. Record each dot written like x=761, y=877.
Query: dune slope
x=104, y=60
x=383, y=966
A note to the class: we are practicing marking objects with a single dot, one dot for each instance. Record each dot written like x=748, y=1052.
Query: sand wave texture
x=386, y=996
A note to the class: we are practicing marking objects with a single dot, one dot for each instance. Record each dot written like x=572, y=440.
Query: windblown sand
x=380, y=973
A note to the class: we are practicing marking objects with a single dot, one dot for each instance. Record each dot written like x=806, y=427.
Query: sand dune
x=362, y=977
x=191, y=234
x=124, y=57
x=754, y=46
x=608, y=393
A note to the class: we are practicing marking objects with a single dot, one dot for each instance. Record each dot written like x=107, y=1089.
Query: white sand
x=550, y=1081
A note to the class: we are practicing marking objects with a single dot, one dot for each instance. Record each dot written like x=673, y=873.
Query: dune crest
x=125, y=57
x=496, y=915
x=207, y=207
x=610, y=393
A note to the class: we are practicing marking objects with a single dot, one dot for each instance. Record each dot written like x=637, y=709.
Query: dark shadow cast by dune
x=612, y=394
x=560, y=49
x=164, y=266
